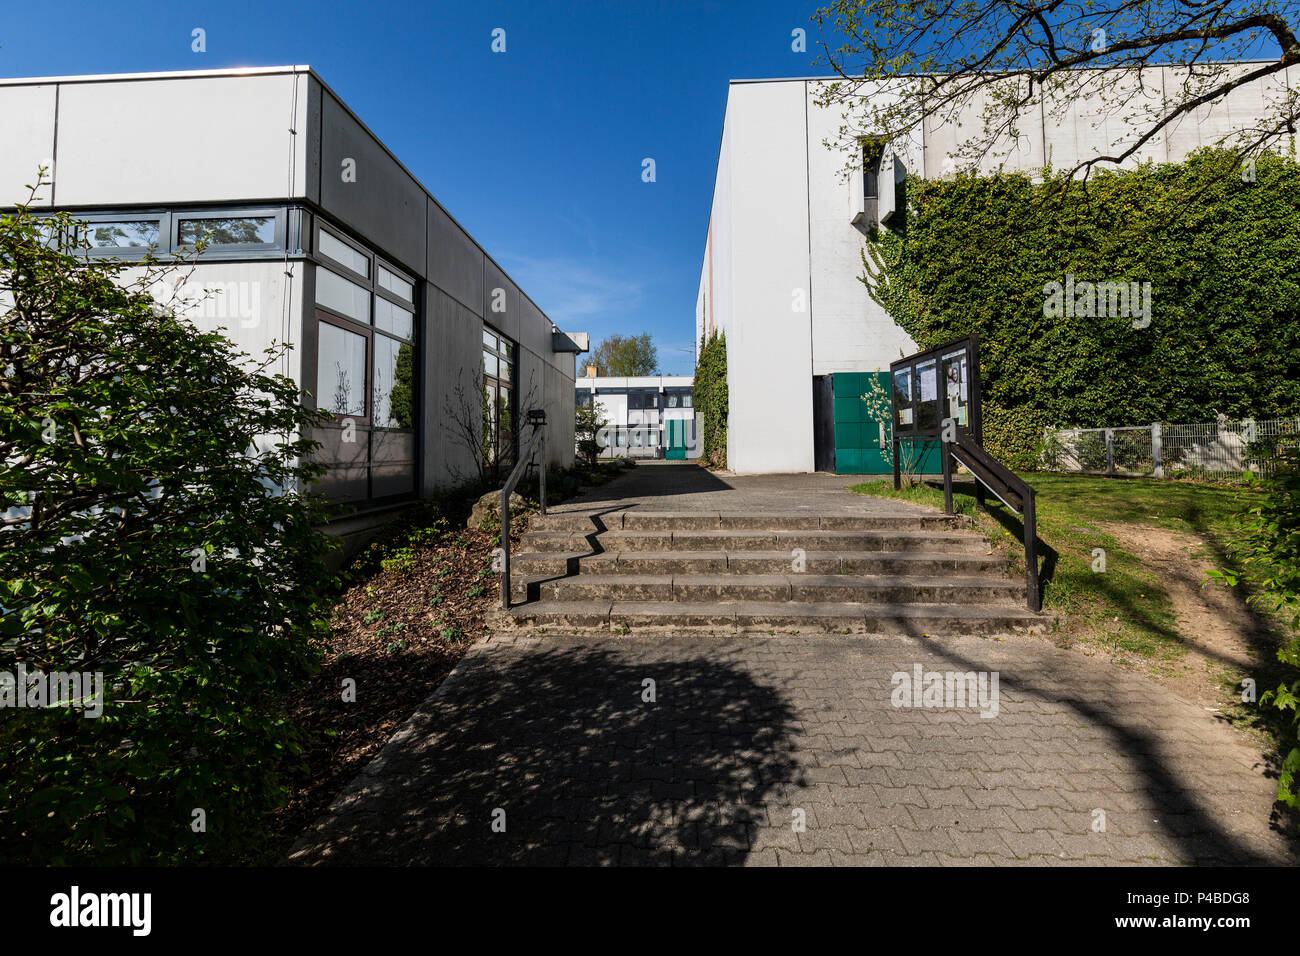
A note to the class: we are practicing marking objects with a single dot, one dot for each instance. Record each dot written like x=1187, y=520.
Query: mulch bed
x=397, y=632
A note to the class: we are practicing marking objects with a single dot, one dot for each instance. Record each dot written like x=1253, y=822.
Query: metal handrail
x=535, y=441
x=1010, y=489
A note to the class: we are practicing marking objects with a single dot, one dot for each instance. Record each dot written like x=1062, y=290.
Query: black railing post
x=1031, y=552
x=505, y=547
x=541, y=475
x=945, y=454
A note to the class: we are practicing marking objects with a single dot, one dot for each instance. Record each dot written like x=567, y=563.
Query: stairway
x=883, y=573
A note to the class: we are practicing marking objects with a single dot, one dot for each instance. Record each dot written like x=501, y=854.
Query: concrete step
x=550, y=564
x=730, y=540
x=805, y=588
x=916, y=619
x=584, y=523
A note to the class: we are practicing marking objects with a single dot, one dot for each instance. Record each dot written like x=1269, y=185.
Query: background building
x=649, y=416
x=782, y=256
x=401, y=324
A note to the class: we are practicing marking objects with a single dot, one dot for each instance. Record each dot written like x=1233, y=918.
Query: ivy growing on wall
x=1217, y=242
x=711, y=399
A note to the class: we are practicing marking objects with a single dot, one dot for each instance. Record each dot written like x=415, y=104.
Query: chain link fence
x=1218, y=450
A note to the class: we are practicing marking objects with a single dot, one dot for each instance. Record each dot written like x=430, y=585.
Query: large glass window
x=341, y=371
x=367, y=342
x=500, y=438
x=677, y=398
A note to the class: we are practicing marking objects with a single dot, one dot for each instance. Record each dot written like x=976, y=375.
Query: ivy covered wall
x=711, y=398
x=1219, y=245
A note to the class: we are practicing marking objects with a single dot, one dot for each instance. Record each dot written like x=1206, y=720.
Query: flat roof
x=164, y=75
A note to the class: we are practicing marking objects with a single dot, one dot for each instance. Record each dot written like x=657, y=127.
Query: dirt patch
x=396, y=633
x=1224, y=639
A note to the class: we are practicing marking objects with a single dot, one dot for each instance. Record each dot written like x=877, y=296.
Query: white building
x=782, y=257
x=319, y=237
x=648, y=416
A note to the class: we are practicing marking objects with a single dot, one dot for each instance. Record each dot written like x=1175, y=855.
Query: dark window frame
x=349, y=325
x=278, y=213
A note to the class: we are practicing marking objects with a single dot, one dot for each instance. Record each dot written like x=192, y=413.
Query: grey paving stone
x=747, y=728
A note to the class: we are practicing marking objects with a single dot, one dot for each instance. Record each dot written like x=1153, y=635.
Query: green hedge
x=977, y=253
x=711, y=399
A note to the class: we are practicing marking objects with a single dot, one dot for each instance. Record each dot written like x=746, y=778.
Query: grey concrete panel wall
x=385, y=206
x=453, y=346
x=312, y=137
x=455, y=262
x=197, y=139
x=27, y=119
x=503, y=305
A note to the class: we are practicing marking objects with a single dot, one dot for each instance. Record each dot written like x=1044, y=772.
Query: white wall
x=160, y=141
x=766, y=276
x=252, y=303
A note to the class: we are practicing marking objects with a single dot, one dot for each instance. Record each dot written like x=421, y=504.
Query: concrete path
x=553, y=736
x=797, y=749
x=663, y=486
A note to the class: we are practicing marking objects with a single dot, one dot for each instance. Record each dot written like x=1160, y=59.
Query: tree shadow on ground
x=560, y=746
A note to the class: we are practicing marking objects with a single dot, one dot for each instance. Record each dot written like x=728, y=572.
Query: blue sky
x=537, y=151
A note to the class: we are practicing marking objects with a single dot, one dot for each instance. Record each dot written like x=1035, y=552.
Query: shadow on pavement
x=585, y=770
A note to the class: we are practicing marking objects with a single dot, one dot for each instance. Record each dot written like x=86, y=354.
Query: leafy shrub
x=1091, y=451
x=712, y=400
x=1269, y=550
x=1014, y=436
x=155, y=534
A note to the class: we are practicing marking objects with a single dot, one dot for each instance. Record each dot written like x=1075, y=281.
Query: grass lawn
x=1125, y=610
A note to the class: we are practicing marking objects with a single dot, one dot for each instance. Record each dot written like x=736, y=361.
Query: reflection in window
x=903, y=397
x=498, y=400
x=341, y=371
x=394, y=393
x=927, y=388
x=127, y=234
x=244, y=230
x=339, y=295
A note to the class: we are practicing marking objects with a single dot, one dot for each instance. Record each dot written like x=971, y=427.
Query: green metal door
x=675, y=432
x=860, y=441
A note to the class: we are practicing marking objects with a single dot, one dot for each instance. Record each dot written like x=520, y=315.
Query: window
x=342, y=296
x=342, y=253
x=872, y=154
x=677, y=398
x=121, y=234
x=642, y=399
x=392, y=282
x=221, y=231
x=341, y=371
x=500, y=438
x=582, y=397
x=394, y=377
x=393, y=319
x=366, y=372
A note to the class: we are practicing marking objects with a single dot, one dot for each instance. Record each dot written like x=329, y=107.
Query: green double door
x=675, y=439
x=861, y=441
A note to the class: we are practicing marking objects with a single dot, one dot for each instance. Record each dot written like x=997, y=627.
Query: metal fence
x=1218, y=450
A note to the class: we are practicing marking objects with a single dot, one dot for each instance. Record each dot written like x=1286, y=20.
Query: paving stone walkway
x=748, y=735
